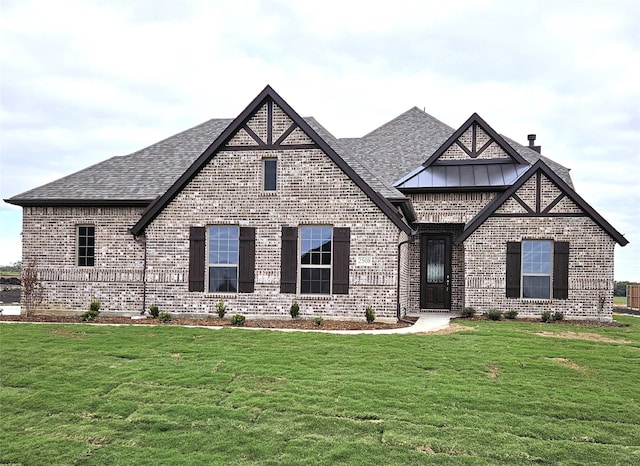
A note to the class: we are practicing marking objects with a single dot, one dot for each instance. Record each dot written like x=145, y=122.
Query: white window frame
x=214, y=265
x=524, y=274
x=314, y=266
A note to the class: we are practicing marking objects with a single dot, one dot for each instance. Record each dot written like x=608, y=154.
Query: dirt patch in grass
x=452, y=328
x=580, y=336
x=300, y=324
x=568, y=363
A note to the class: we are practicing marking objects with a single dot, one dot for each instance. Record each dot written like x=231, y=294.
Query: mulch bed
x=579, y=323
x=300, y=323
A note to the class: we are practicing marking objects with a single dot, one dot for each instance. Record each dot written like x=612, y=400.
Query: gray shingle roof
x=141, y=176
x=381, y=158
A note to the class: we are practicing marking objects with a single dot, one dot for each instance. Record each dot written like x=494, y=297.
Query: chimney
x=532, y=140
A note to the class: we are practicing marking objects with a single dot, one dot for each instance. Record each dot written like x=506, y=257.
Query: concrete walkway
x=427, y=322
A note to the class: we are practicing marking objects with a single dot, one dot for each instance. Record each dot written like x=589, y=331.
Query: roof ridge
x=403, y=114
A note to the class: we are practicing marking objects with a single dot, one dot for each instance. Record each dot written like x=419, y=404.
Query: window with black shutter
x=537, y=269
x=289, y=260
x=196, y=258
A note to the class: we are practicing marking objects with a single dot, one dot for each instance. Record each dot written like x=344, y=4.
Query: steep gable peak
x=475, y=141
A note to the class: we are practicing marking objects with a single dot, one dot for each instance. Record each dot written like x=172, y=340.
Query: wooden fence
x=633, y=296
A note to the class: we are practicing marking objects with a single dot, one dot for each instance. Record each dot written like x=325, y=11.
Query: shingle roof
x=136, y=178
x=380, y=158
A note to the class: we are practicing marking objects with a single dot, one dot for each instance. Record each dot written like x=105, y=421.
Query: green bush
x=557, y=316
x=154, y=311
x=238, y=320
x=511, y=314
x=294, y=310
x=468, y=312
x=95, y=305
x=165, y=317
x=221, y=309
x=90, y=315
x=370, y=315
x=546, y=316
x=318, y=321
x=493, y=314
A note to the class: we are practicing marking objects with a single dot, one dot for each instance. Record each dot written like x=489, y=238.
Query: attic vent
x=532, y=140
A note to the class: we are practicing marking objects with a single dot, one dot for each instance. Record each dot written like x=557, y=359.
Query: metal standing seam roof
x=463, y=176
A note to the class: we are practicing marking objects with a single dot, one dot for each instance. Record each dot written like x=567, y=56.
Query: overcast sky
x=85, y=80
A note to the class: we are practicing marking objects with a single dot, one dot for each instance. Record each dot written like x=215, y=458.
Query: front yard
x=500, y=393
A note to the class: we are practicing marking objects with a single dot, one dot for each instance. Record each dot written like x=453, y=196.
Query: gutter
x=398, y=312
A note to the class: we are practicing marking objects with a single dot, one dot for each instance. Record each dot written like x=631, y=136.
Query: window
x=86, y=245
x=537, y=264
x=315, y=259
x=223, y=259
x=269, y=174
x=537, y=269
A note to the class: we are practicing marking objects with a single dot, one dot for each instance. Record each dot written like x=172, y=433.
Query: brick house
x=270, y=207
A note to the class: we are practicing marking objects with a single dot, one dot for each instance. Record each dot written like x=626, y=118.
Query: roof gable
x=540, y=192
x=267, y=123
x=474, y=141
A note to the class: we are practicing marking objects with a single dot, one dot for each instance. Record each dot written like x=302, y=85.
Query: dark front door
x=435, y=272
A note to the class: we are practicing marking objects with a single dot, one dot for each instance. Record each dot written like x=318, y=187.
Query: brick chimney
x=532, y=140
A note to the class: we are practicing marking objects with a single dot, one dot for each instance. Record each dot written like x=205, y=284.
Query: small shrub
x=95, y=305
x=221, y=309
x=154, y=311
x=468, y=312
x=546, y=316
x=238, y=320
x=558, y=316
x=511, y=314
x=318, y=321
x=294, y=310
x=90, y=315
x=493, y=314
x=165, y=317
x=370, y=315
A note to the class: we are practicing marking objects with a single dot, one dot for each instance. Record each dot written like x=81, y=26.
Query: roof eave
x=49, y=202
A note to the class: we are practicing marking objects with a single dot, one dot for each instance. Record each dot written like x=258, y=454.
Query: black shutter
x=561, y=270
x=513, y=269
x=247, y=260
x=289, y=260
x=196, y=258
x=341, y=252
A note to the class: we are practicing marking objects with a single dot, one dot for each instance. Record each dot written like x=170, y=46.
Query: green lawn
x=620, y=300
x=498, y=394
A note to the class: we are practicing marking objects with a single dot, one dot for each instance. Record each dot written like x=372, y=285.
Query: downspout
x=398, y=312
x=142, y=239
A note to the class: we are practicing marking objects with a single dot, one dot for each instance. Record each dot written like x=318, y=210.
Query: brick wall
x=590, y=266
x=49, y=241
x=311, y=190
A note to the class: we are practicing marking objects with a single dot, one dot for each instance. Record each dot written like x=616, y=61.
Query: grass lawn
x=620, y=300
x=497, y=394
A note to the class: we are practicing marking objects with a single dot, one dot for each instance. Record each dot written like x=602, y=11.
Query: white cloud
x=85, y=79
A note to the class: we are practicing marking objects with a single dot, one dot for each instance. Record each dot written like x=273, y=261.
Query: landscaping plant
x=294, y=310
x=221, y=309
x=369, y=314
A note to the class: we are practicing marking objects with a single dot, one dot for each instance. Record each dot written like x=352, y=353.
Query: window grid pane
x=86, y=246
x=537, y=266
x=223, y=258
x=315, y=259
